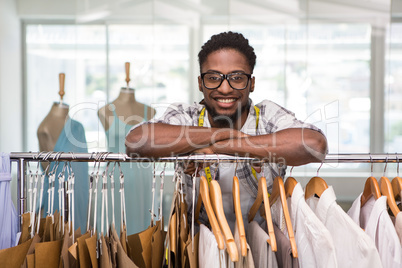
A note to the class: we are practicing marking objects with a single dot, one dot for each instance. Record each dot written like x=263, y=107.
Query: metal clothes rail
x=22, y=157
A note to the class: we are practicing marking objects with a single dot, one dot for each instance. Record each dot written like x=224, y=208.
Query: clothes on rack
x=266, y=117
x=8, y=215
x=314, y=242
x=262, y=253
x=72, y=139
x=374, y=219
x=354, y=247
x=138, y=177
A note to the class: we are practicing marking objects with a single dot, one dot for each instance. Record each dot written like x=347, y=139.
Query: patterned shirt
x=272, y=118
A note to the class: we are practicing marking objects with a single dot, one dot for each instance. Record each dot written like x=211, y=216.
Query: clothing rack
x=22, y=157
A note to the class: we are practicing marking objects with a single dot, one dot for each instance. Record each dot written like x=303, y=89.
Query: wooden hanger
x=371, y=188
x=315, y=186
x=203, y=197
x=239, y=216
x=216, y=198
x=278, y=190
x=262, y=197
x=290, y=184
x=386, y=190
x=397, y=187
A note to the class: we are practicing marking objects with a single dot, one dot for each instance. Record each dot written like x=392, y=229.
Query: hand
x=205, y=150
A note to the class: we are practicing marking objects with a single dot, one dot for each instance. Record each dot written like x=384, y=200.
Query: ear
x=199, y=84
x=252, y=84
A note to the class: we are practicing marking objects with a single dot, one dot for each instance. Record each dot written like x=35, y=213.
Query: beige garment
x=104, y=258
x=47, y=254
x=113, y=248
x=183, y=231
x=123, y=238
x=25, y=230
x=84, y=258
x=263, y=256
x=284, y=254
x=158, y=239
x=48, y=230
x=73, y=255
x=31, y=250
x=174, y=252
x=192, y=251
x=123, y=260
x=15, y=256
x=91, y=245
x=244, y=261
x=140, y=246
x=31, y=260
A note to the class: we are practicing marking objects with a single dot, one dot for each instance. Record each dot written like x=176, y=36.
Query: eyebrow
x=235, y=71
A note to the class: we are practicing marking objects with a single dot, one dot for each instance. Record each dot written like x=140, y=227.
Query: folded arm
x=294, y=146
x=159, y=139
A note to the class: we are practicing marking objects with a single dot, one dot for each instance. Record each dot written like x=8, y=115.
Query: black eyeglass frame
x=225, y=77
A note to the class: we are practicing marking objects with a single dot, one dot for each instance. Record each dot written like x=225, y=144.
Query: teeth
x=226, y=100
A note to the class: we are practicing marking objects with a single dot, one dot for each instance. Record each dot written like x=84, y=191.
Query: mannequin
x=117, y=118
x=52, y=125
x=58, y=132
x=126, y=107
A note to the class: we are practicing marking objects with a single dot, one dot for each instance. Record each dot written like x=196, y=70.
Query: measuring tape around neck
x=201, y=124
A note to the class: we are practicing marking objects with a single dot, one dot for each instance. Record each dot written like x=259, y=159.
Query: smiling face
x=227, y=107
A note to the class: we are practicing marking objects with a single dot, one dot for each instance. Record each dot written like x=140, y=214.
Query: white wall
x=10, y=78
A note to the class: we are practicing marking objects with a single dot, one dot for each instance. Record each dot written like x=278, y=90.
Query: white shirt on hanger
x=374, y=219
x=209, y=254
x=398, y=226
x=354, y=248
x=315, y=245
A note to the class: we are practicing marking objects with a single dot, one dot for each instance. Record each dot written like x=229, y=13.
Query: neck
x=59, y=109
x=126, y=95
x=235, y=121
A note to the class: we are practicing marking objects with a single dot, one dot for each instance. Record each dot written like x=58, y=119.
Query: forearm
x=294, y=146
x=158, y=140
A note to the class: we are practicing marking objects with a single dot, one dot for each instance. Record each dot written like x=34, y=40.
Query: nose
x=225, y=88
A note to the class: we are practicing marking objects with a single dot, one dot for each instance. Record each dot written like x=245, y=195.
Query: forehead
x=226, y=61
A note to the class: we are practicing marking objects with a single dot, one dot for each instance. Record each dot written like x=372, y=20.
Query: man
x=227, y=122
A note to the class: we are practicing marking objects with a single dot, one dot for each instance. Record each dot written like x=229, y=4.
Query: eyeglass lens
x=236, y=80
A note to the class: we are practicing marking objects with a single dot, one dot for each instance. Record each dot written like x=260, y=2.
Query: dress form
x=126, y=107
x=50, y=128
x=117, y=118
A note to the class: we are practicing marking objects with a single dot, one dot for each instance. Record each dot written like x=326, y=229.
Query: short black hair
x=228, y=40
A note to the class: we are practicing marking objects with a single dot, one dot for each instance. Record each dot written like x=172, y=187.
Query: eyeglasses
x=237, y=81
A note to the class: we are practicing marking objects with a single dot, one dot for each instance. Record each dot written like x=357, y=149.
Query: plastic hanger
x=216, y=199
x=386, y=190
x=397, y=184
x=315, y=186
x=262, y=197
x=278, y=190
x=371, y=188
x=203, y=197
x=239, y=216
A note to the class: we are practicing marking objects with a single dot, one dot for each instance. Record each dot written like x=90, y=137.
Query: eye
x=238, y=77
x=213, y=77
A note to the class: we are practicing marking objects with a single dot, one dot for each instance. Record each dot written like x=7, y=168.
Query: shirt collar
x=326, y=200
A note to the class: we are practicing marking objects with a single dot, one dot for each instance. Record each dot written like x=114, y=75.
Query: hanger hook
x=216, y=169
x=290, y=173
x=235, y=171
x=318, y=170
x=385, y=167
x=372, y=164
x=397, y=167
